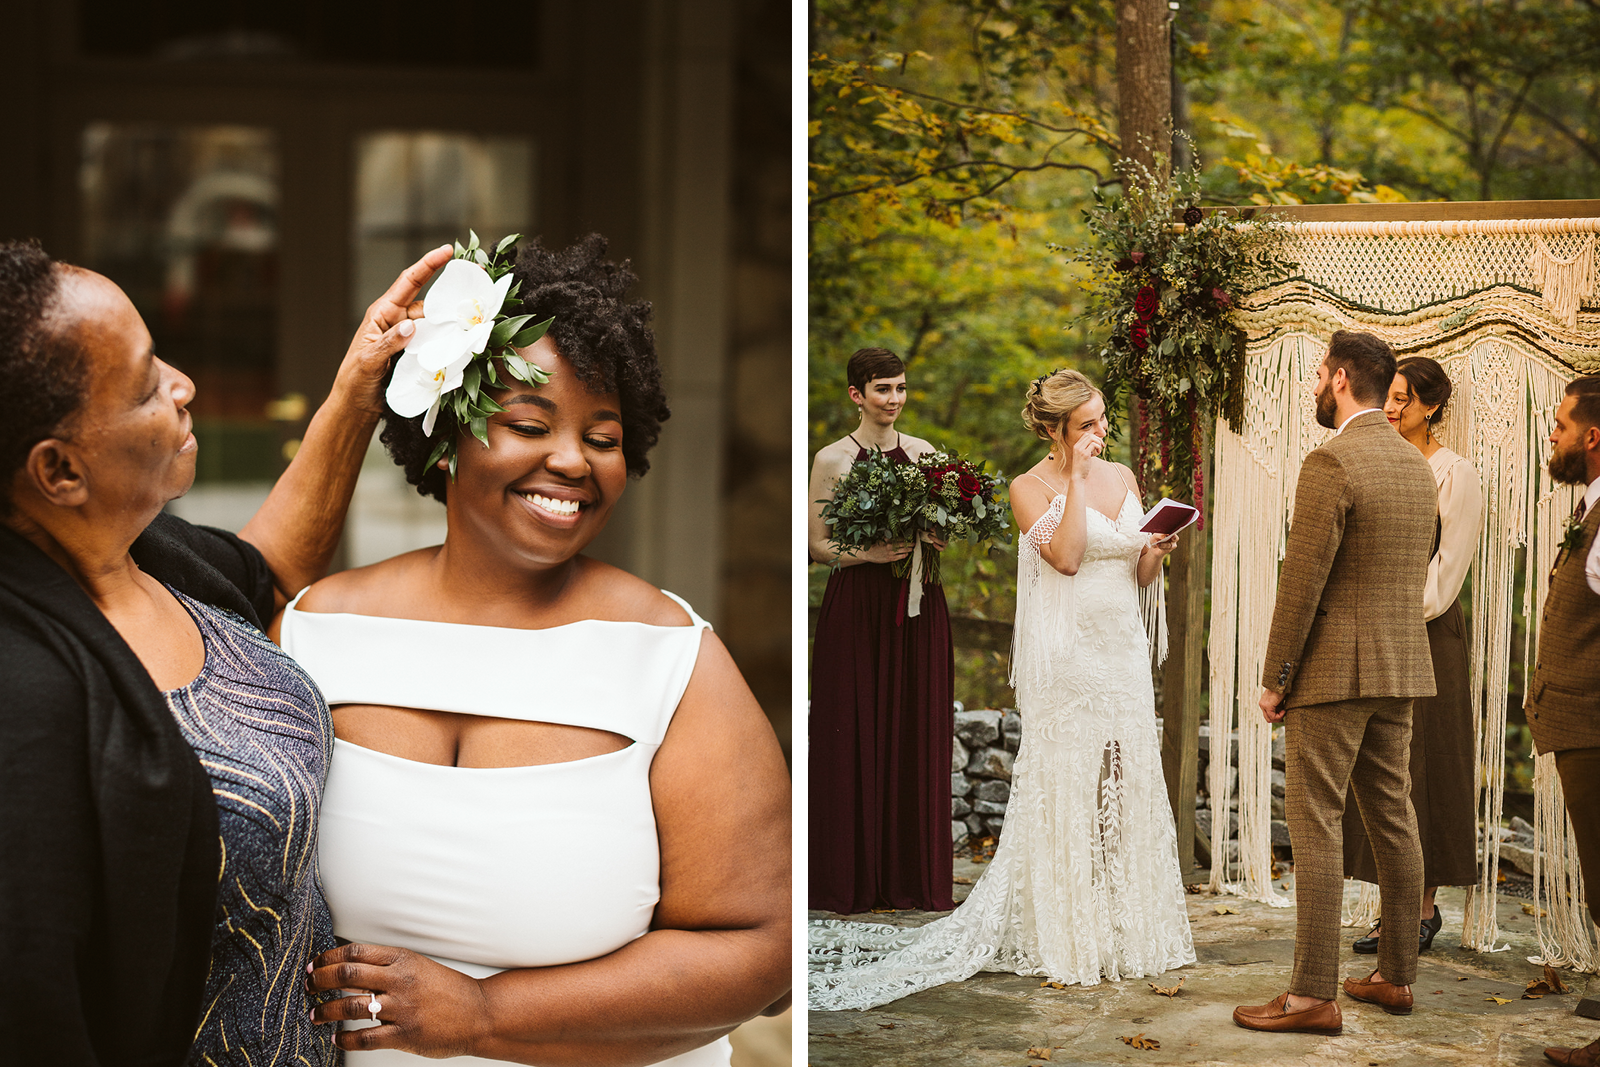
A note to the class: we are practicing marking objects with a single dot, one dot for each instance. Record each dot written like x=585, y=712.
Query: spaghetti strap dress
x=881, y=725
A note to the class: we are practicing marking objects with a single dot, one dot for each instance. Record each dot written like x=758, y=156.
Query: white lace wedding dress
x=1084, y=884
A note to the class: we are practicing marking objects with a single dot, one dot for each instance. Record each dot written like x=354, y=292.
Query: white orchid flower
x=415, y=389
x=457, y=315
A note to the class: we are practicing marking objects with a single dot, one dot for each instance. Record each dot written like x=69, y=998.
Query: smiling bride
x=555, y=828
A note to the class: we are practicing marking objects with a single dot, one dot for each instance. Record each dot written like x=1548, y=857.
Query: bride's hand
x=1162, y=545
x=1088, y=447
x=424, y=1007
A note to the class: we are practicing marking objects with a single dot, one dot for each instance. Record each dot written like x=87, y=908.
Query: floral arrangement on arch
x=1163, y=294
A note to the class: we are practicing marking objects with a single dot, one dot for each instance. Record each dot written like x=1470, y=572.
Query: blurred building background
x=253, y=175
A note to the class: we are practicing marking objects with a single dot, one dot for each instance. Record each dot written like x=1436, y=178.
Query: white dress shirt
x=1357, y=415
x=1591, y=566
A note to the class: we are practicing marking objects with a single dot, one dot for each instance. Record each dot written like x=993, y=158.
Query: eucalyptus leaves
x=463, y=334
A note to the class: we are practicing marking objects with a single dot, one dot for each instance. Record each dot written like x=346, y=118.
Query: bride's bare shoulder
x=369, y=590
x=607, y=592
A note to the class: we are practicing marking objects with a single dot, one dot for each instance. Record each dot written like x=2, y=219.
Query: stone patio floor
x=992, y=1020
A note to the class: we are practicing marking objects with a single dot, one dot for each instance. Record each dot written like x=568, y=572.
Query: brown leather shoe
x=1278, y=1018
x=1587, y=1056
x=1394, y=999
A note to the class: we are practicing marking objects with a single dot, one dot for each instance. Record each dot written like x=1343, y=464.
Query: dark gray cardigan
x=108, y=833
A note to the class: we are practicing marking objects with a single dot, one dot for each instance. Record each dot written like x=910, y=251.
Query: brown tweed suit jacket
x=1348, y=620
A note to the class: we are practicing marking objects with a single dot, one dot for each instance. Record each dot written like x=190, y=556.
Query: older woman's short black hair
x=45, y=377
x=604, y=338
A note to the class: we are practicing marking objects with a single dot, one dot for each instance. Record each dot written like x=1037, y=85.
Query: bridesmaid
x=1441, y=726
x=881, y=694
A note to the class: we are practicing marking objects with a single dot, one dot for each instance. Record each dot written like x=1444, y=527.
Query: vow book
x=1168, y=517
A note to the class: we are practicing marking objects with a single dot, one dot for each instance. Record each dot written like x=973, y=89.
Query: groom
x=1347, y=653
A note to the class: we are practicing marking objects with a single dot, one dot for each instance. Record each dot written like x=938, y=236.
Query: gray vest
x=1564, y=698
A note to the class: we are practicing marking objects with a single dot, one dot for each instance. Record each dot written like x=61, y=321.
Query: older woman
x=556, y=827
x=151, y=739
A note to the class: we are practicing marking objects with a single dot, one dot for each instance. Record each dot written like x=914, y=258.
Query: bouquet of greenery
x=877, y=500
x=959, y=501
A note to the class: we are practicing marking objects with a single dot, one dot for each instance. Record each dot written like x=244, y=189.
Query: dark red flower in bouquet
x=1124, y=264
x=1137, y=257
x=968, y=485
x=1140, y=335
x=1146, y=302
x=1193, y=216
x=1222, y=298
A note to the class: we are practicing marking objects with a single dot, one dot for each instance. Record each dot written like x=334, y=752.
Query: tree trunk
x=1144, y=82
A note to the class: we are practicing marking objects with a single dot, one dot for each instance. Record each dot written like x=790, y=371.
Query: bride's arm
x=1156, y=549
x=718, y=949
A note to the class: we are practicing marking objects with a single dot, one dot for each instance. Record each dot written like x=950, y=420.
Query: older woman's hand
x=385, y=330
x=425, y=1007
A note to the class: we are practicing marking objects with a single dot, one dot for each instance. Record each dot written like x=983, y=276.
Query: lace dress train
x=1085, y=881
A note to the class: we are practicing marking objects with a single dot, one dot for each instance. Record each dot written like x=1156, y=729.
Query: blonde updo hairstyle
x=1052, y=397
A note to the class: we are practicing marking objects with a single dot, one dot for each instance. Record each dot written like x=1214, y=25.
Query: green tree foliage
x=951, y=141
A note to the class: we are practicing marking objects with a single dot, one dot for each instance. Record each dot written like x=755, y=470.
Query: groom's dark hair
x=1367, y=362
x=1587, y=390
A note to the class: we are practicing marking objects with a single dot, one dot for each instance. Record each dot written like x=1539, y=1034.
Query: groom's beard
x=1328, y=409
x=1569, y=466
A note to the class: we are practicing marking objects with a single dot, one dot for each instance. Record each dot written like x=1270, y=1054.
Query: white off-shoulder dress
x=488, y=869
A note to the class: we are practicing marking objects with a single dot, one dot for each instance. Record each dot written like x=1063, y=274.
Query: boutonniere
x=1572, y=540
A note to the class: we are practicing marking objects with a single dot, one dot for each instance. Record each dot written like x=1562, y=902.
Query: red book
x=1168, y=517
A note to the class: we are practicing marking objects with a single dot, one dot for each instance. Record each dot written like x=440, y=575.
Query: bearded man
x=1564, y=698
x=1347, y=652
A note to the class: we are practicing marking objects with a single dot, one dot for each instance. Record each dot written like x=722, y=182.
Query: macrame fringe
x=1447, y=290
x=1363, y=911
x=1153, y=602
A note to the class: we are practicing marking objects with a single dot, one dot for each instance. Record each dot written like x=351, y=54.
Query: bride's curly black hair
x=604, y=338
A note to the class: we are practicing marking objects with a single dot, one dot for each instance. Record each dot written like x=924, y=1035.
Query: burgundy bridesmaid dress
x=881, y=727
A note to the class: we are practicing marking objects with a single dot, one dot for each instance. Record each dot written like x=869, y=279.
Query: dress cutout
x=455, y=862
x=264, y=737
x=1084, y=884
x=881, y=726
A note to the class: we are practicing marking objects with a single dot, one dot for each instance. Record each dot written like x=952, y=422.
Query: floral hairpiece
x=466, y=329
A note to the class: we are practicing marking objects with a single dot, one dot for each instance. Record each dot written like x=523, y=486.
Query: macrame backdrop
x=1501, y=305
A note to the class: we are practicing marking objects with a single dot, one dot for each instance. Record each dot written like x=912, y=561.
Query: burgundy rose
x=1192, y=216
x=1144, y=305
x=968, y=485
x=1124, y=264
x=1140, y=335
x=1222, y=298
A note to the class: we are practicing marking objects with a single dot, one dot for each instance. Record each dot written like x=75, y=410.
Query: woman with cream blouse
x=1441, y=726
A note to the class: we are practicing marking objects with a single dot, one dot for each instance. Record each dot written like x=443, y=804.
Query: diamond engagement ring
x=374, y=1006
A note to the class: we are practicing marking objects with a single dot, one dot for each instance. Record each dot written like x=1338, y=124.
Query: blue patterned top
x=264, y=735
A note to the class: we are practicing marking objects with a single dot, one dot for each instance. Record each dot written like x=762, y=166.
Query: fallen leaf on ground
x=1223, y=909
x=1529, y=909
x=961, y=879
x=886, y=1026
x=1195, y=888
x=1052, y=985
x=1533, y=996
x=1497, y=1000
x=1039, y=1053
x=1169, y=991
x=1139, y=1041
x=1462, y=978
x=1550, y=983
x=884, y=911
